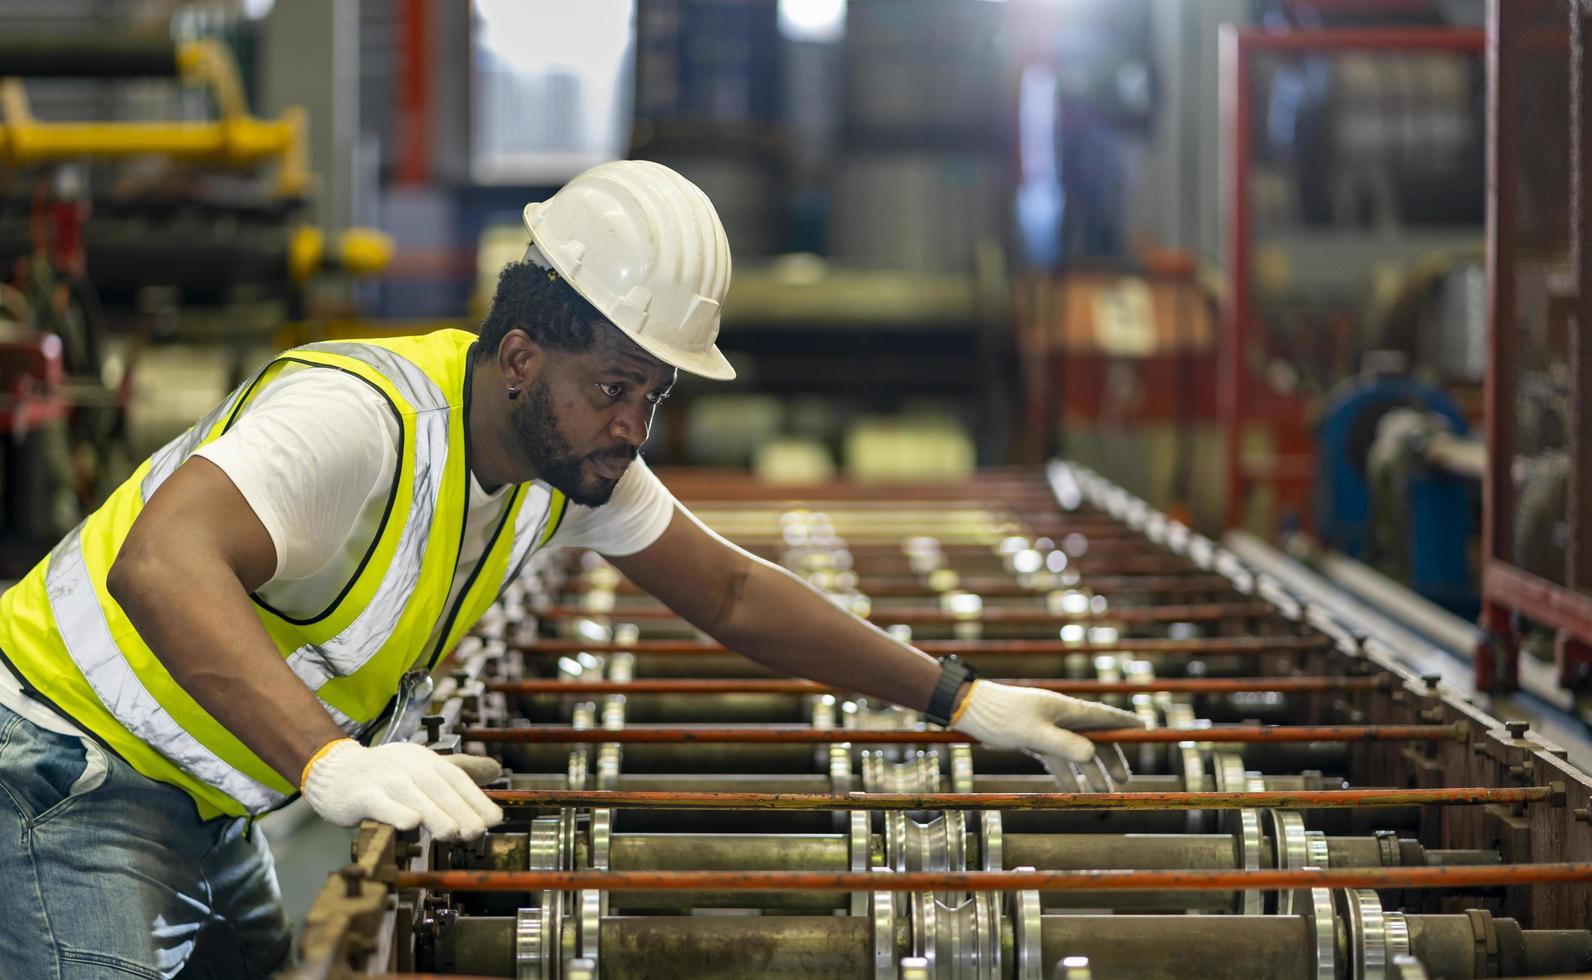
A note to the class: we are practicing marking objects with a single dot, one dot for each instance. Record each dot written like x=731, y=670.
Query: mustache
x=626, y=453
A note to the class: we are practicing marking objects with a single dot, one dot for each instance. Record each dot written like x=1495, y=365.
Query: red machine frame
x=1509, y=592
x=1239, y=405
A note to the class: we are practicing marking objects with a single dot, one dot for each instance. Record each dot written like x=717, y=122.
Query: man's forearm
x=783, y=623
x=195, y=616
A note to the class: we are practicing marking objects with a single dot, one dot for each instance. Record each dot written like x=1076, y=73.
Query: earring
x=514, y=392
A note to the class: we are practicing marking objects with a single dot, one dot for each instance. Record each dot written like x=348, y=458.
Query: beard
x=536, y=425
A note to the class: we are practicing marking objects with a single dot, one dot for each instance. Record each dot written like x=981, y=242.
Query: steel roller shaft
x=1145, y=947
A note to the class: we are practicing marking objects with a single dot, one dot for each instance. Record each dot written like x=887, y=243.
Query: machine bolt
x=353, y=880
x=1517, y=729
x=433, y=726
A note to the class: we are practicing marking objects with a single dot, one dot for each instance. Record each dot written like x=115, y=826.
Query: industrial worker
x=230, y=628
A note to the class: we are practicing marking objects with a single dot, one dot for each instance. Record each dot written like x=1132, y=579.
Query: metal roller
x=955, y=944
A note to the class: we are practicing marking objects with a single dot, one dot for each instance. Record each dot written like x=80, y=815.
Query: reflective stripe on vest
x=352, y=648
x=87, y=636
x=64, y=634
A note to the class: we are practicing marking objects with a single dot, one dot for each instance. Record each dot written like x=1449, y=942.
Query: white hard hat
x=643, y=245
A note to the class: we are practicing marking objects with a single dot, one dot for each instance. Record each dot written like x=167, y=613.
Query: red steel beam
x=780, y=685
x=1203, y=612
x=1482, y=876
x=803, y=735
x=1538, y=598
x=1327, y=799
x=1252, y=646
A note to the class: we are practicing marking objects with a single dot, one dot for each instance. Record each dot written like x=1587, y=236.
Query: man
x=226, y=630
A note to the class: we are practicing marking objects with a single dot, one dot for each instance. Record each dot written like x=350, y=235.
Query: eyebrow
x=629, y=374
x=635, y=373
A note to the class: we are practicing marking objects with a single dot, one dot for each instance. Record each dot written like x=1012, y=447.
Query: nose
x=631, y=424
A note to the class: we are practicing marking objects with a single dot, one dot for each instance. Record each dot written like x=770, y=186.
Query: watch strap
x=942, y=702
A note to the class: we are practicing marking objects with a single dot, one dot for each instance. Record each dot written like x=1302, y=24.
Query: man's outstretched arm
x=765, y=613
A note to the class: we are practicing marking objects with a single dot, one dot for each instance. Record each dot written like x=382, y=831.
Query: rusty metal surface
x=734, y=685
x=1312, y=800
x=1203, y=612
x=800, y=735
x=1243, y=646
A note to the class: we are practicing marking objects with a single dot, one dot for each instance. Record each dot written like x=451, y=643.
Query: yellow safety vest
x=72, y=645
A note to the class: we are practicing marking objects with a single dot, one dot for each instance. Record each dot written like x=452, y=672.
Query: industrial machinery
x=1301, y=805
x=1398, y=484
x=1352, y=157
x=117, y=235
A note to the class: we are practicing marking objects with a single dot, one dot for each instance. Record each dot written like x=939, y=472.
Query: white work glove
x=403, y=784
x=1042, y=724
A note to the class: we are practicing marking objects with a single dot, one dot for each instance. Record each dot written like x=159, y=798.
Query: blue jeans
x=115, y=875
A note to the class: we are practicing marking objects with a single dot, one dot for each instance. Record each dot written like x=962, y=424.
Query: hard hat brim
x=710, y=363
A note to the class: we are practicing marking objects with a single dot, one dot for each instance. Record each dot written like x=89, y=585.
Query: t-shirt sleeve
x=634, y=517
x=307, y=454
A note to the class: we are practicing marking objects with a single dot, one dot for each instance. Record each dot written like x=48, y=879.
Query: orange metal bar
x=803, y=735
x=779, y=685
x=1211, y=647
x=904, y=586
x=1330, y=799
x=1044, y=881
x=1200, y=612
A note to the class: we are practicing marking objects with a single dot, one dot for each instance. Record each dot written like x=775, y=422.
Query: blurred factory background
x=1239, y=256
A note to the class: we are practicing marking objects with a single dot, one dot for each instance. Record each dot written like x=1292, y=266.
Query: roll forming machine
x=1300, y=804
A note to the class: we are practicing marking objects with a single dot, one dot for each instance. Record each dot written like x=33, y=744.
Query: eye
x=610, y=389
x=657, y=397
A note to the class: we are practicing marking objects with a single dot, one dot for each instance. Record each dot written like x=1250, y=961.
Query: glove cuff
x=987, y=714
x=967, y=699
x=321, y=753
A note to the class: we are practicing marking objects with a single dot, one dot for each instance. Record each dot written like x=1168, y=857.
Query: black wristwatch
x=942, y=703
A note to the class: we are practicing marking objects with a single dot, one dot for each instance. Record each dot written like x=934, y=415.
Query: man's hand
x=1043, y=724
x=405, y=785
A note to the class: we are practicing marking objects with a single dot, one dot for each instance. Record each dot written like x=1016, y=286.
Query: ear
x=520, y=358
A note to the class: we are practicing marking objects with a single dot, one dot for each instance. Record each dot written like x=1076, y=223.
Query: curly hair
x=547, y=308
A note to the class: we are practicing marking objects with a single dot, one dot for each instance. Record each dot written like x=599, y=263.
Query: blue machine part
x=1442, y=519
x=1343, y=498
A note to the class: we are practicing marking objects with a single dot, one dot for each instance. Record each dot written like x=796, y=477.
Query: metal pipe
x=777, y=685
x=802, y=735
x=798, y=758
x=1199, y=612
x=1569, y=872
x=797, y=782
x=901, y=586
x=77, y=56
x=771, y=852
x=1325, y=799
x=1175, y=947
x=1138, y=947
x=1205, y=647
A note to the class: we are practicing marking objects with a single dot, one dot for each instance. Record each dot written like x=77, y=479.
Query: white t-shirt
x=314, y=455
